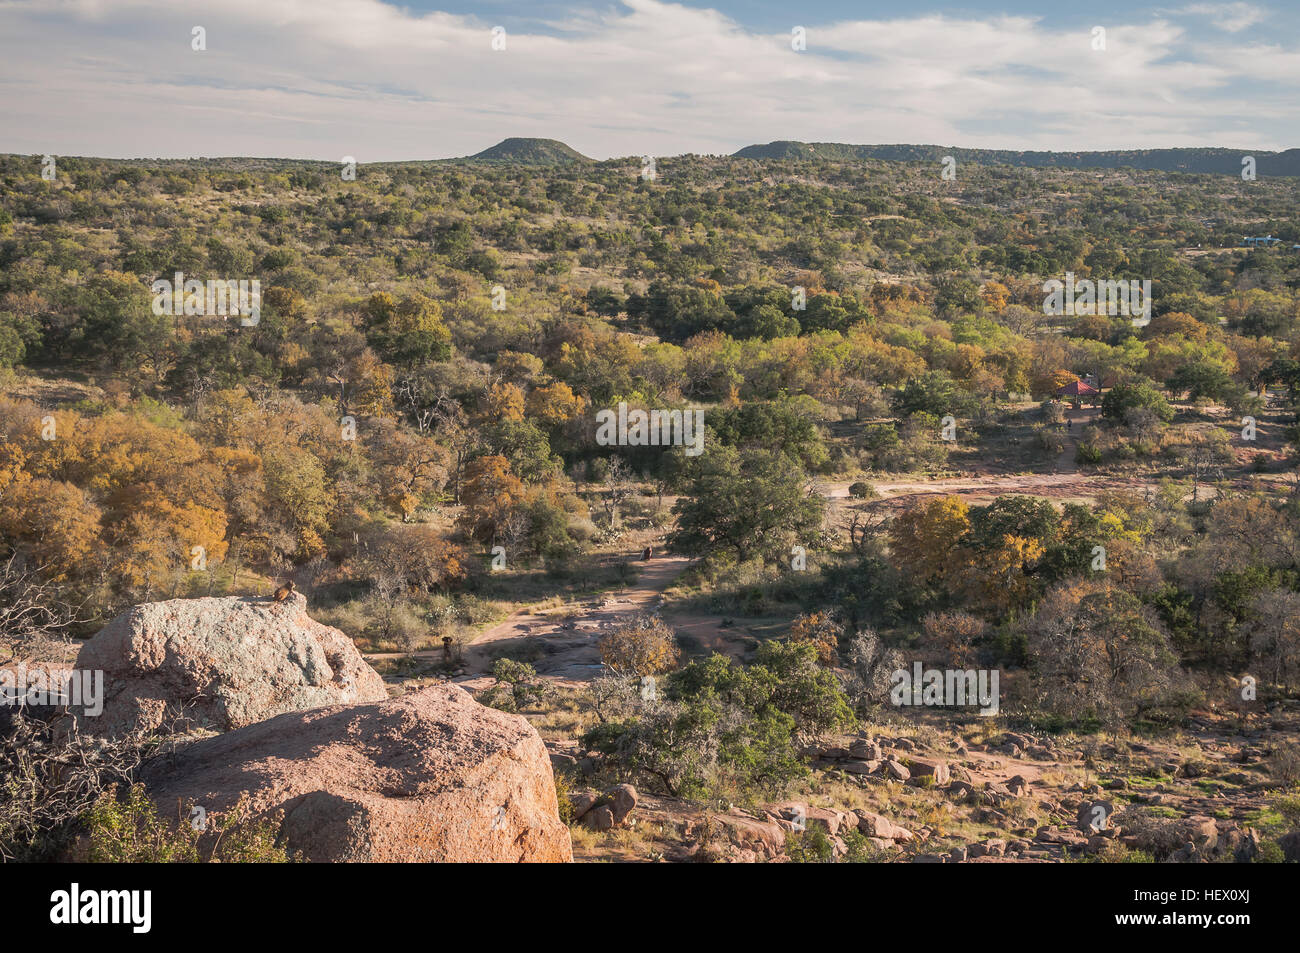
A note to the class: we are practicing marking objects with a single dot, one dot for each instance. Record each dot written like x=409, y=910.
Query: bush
x=517, y=686
x=128, y=830
x=644, y=646
x=821, y=631
x=564, y=804
x=814, y=846
x=1124, y=398
x=724, y=727
x=1096, y=650
x=1087, y=455
x=48, y=782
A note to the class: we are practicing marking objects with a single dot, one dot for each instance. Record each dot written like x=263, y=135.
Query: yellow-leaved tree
x=643, y=646
x=924, y=540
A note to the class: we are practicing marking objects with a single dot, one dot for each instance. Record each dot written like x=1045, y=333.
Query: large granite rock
x=431, y=776
x=221, y=663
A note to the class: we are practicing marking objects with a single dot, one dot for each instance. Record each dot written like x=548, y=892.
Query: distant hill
x=529, y=152
x=1216, y=160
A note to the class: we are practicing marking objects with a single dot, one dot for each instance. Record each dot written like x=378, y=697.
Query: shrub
x=49, y=781
x=821, y=631
x=814, y=846
x=727, y=727
x=1124, y=398
x=563, y=803
x=644, y=646
x=128, y=830
x=517, y=686
x=1087, y=454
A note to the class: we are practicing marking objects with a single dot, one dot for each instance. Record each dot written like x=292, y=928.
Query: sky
x=377, y=81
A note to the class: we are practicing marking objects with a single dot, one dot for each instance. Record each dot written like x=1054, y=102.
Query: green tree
x=118, y=324
x=1121, y=399
x=774, y=425
x=408, y=332
x=752, y=503
x=933, y=393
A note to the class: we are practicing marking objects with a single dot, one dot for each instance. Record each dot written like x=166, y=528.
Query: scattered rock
x=1096, y=844
x=860, y=767
x=1290, y=844
x=1201, y=831
x=865, y=750
x=741, y=832
x=961, y=790
x=871, y=824
x=1054, y=835
x=993, y=847
x=996, y=792
x=896, y=770
x=1094, y=816
x=582, y=803
x=622, y=800
x=925, y=768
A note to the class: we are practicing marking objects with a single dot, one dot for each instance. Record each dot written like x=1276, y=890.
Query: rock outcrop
x=735, y=837
x=221, y=663
x=607, y=811
x=430, y=776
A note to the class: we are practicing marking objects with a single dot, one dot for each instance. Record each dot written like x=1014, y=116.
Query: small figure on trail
x=646, y=554
x=283, y=592
x=1069, y=425
x=446, y=648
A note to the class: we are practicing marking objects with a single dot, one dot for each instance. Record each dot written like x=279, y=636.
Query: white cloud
x=328, y=78
x=1229, y=17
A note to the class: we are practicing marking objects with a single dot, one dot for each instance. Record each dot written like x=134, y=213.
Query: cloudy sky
x=384, y=81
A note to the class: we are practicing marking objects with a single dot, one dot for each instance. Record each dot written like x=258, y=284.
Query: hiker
x=646, y=554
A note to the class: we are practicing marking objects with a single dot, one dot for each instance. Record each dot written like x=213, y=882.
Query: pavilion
x=1075, y=390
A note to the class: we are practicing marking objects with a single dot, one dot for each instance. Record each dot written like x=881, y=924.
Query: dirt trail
x=568, y=635
x=1065, y=480
x=985, y=486
x=560, y=642
x=1076, y=421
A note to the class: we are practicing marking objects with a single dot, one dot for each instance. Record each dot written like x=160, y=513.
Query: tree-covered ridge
x=526, y=151
x=1194, y=159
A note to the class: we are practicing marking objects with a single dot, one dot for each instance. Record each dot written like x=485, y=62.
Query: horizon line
x=634, y=156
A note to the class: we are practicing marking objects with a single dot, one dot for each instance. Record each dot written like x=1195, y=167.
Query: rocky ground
x=919, y=788
x=934, y=795
x=284, y=711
